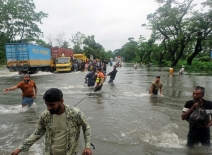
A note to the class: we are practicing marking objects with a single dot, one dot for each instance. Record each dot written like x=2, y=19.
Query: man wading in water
x=29, y=90
x=112, y=74
x=198, y=133
x=61, y=126
x=155, y=86
x=99, y=80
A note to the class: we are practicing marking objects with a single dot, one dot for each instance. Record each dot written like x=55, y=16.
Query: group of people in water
x=197, y=112
x=181, y=72
x=61, y=124
x=62, y=137
x=78, y=65
x=96, y=77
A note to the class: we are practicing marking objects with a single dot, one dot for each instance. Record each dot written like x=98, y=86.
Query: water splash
x=8, y=109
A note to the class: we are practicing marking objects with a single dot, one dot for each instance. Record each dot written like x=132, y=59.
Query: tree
x=50, y=40
x=59, y=39
x=65, y=44
x=129, y=49
x=202, y=26
x=77, y=40
x=109, y=54
x=18, y=19
x=3, y=39
x=117, y=52
x=92, y=48
x=169, y=23
x=40, y=42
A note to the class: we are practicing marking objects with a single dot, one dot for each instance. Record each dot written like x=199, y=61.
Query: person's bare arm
x=87, y=151
x=16, y=152
x=150, y=90
x=160, y=90
x=209, y=124
x=36, y=90
x=186, y=114
x=10, y=89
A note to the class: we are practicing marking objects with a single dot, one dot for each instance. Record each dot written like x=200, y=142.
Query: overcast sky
x=112, y=22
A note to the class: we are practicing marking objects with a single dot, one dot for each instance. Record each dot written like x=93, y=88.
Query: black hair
x=158, y=77
x=53, y=95
x=200, y=88
x=26, y=75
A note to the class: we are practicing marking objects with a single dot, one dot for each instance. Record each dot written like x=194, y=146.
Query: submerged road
x=124, y=119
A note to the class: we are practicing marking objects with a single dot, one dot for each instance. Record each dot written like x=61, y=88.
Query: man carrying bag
x=197, y=112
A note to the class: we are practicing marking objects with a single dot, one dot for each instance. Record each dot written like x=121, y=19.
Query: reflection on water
x=155, y=100
x=124, y=118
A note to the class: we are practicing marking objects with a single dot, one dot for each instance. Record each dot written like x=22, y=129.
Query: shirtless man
x=155, y=86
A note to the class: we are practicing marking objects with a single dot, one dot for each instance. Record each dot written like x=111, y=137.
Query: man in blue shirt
x=90, y=78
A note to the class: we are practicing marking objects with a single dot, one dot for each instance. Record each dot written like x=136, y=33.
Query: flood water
x=124, y=119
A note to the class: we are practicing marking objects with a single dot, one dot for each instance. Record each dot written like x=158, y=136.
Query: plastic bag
x=199, y=117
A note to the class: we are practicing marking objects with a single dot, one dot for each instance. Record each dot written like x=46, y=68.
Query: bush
x=197, y=66
x=136, y=59
x=205, y=58
x=166, y=63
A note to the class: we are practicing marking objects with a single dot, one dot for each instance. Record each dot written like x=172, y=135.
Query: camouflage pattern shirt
x=74, y=120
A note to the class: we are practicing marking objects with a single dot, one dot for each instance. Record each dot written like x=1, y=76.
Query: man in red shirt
x=29, y=90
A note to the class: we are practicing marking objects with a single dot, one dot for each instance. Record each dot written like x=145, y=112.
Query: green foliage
x=137, y=59
x=2, y=57
x=108, y=55
x=205, y=58
x=129, y=50
x=182, y=29
x=77, y=41
x=91, y=47
x=197, y=66
x=40, y=42
x=166, y=63
x=64, y=44
x=3, y=40
x=18, y=23
x=18, y=19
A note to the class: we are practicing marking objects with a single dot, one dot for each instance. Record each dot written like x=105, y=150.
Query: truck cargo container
x=28, y=58
x=58, y=52
x=62, y=58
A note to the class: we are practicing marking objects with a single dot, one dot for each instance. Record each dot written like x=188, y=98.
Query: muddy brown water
x=124, y=119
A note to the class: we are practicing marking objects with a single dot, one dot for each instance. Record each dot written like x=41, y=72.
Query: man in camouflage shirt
x=61, y=126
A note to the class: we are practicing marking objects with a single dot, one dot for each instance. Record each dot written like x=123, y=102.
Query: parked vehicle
x=80, y=57
x=118, y=59
x=29, y=58
x=62, y=58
